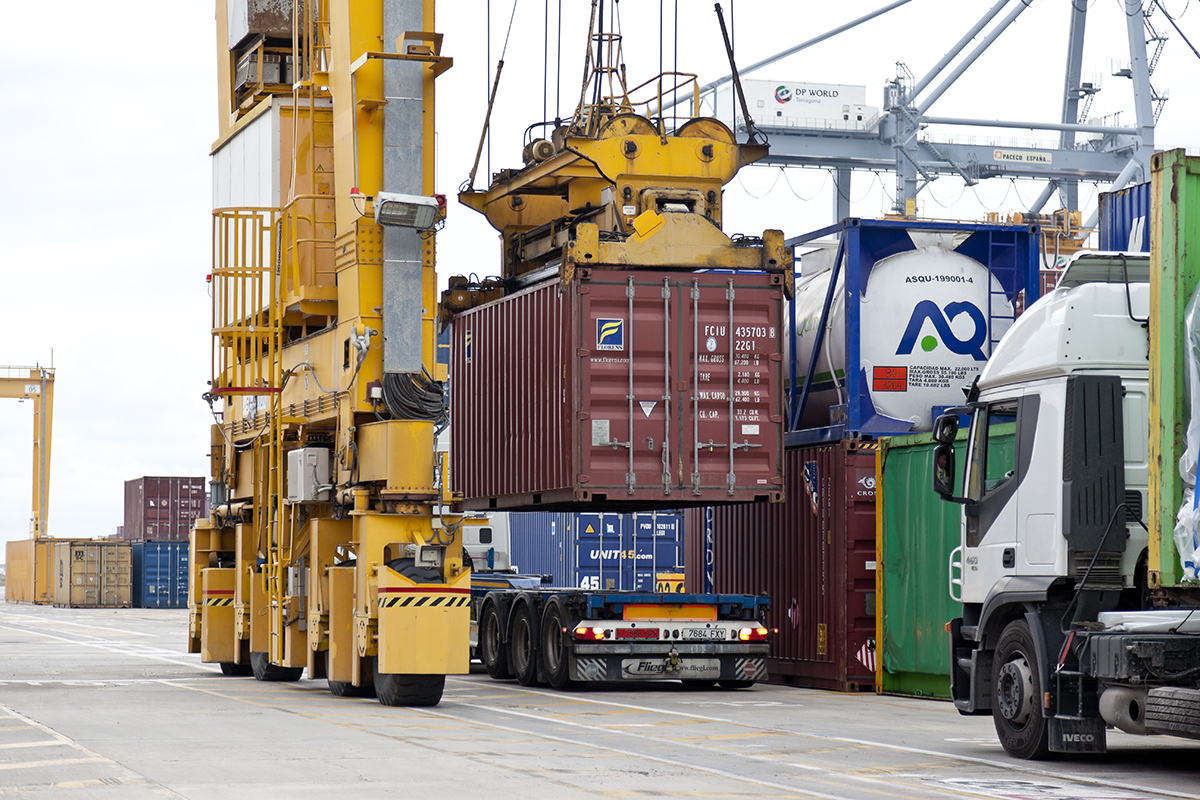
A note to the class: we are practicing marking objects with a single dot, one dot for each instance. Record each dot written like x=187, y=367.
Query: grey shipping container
x=635, y=389
x=1125, y=219
x=162, y=509
x=814, y=556
x=160, y=574
x=589, y=550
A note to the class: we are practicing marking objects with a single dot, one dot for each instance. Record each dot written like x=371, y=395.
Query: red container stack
x=629, y=389
x=815, y=557
x=162, y=509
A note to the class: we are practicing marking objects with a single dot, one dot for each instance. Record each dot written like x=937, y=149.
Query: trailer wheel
x=264, y=670
x=237, y=670
x=522, y=654
x=1017, y=693
x=346, y=688
x=408, y=690
x=555, y=653
x=491, y=645
x=728, y=684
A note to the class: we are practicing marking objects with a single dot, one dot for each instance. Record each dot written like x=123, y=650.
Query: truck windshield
x=993, y=449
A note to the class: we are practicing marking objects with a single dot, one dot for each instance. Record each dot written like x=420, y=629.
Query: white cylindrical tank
x=924, y=333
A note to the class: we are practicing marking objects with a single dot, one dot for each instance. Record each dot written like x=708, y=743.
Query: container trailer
x=613, y=633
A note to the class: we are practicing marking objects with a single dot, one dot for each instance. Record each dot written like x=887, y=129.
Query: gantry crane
x=327, y=548
x=27, y=573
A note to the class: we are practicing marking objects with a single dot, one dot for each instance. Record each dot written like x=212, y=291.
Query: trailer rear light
x=587, y=633
x=752, y=634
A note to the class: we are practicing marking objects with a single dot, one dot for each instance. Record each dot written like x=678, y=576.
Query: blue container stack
x=160, y=574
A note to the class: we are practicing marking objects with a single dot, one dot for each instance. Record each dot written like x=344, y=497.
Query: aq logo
x=928, y=310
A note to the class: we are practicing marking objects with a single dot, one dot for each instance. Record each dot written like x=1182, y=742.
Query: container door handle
x=666, y=397
x=630, y=476
x=696, y=387
x=732, y=476
x=956, y=565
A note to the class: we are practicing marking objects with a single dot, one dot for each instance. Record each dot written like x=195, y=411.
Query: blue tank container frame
x=1009, y=252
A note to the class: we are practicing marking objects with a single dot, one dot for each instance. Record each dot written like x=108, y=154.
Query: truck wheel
x=522, y=654
x=555, y=653
x=230, y=668
x=1016, y=704
x=491, y=645
x=345, y=688
x=407, y=690
x=264, y=670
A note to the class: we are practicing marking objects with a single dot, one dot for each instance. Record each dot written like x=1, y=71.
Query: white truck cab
x=1053, y=487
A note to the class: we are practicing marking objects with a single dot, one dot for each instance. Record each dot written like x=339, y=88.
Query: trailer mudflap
x=1077, y=735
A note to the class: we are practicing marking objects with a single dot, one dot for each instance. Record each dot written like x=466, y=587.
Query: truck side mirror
x=943, y=468
x=945, y=428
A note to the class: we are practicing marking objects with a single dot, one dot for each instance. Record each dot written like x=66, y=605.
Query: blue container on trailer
x=587, y=550
x=1125, y=219
x=1005, y=258
x=542, y=543
x=160, y=574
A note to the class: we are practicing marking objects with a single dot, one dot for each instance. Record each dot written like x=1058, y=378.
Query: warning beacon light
x=406, y=210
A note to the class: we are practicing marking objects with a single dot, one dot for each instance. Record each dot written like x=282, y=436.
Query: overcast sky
x=105, y=215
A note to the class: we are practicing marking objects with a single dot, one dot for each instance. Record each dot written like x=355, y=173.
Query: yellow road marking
x=57, y=763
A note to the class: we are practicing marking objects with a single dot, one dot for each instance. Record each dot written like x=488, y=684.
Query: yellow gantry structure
x=36, y=384
x=28, y=560
x=327, y=548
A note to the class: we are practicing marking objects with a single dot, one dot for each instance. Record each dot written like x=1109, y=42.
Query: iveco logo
x=1079, y=738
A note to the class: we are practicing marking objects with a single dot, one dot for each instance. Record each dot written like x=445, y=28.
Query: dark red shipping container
x=636, y=389
x=815, y=557
x=162, y=509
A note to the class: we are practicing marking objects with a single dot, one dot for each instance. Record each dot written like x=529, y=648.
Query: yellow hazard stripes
x=423, y=597
x=218, y=598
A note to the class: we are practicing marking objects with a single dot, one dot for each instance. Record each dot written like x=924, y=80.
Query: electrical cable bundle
x=417, y=397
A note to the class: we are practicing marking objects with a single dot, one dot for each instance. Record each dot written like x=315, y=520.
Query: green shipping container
x=1174, y=275
x=916, y=532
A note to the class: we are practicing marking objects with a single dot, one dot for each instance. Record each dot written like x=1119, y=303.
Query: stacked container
x=91, y=574
x=162, y=509
x=814, y=555
x=1125, y=219
x=159, y=512
x=890, y=330
x=160, y=574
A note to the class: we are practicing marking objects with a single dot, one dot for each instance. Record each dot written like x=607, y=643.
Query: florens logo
x=928, y=310
x=610, y=334
x=782, y=94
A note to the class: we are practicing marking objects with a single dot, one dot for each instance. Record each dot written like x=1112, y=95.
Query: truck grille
x=1133, y=498
x=1106, y=574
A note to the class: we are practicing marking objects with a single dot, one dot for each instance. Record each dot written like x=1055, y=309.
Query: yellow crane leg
x=422, y=626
